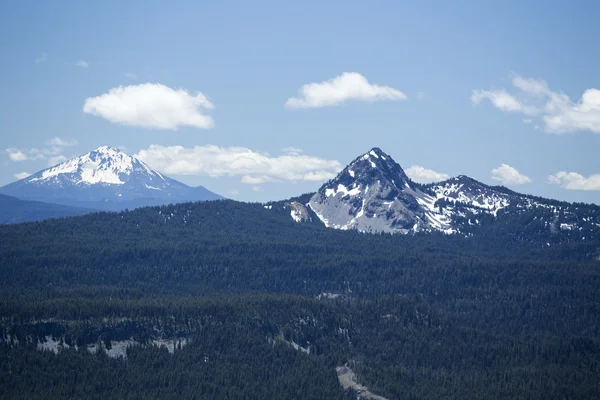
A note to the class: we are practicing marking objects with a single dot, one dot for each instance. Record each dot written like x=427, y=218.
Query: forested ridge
x=492, y=315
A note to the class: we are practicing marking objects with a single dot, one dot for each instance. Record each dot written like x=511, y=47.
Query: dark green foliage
x=495, y=315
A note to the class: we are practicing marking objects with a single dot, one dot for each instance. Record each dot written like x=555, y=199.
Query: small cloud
x=509, y=175
x=234, y=192
x=257, y=188
x=347, y=86
x=575, y=181
x=555, y=112
x=151, y=105
x=16, y=155
x=41, y=58
x=423, y=175
x=131, y=76
x=420, y=95
x=499, y=98
x=56, y=141
x=82, y=64
x=56, y=160
x=22, y=175
x=53, y=152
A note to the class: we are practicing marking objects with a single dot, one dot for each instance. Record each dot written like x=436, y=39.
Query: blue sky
x=458, y=87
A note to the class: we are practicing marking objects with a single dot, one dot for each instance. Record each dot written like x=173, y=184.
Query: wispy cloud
x=53, y=153
x=575, y=181
x=82, y=64
x=509, y=175
x=344, y=87
x=41, y=58
x=56, y=141
x=423, y=175
x=252, y=167
x=56, y=160
x=22, y=175
x=152, y=105
x=16, y=155
x=292, y=150
x=131, y=76
x=555, y=112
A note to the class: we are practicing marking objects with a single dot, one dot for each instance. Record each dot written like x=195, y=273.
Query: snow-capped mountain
x=373, y=194
x=105, y=178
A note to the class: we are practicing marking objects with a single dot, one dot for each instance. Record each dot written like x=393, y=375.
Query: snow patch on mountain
x=105, y=178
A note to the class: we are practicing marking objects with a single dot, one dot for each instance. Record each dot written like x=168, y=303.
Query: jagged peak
x=374, y=167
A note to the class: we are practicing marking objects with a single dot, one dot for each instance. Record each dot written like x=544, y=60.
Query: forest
x=268, y=308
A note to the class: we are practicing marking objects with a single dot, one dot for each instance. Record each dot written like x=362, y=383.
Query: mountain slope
x=107, y=179
x=373, y=194
x=13, y=210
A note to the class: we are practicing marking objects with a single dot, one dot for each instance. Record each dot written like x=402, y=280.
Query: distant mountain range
x=373, y=194
x=104, y=179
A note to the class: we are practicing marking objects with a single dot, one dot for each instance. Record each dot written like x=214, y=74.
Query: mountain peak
x=375, y=166
x=376, y=151
x=105, y=165
x=374, y=194
x=107, y=149
x=104, y=176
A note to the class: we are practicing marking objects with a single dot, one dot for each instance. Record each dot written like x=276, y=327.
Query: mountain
x=374, y=194
x=106, y=179
x=13, y=210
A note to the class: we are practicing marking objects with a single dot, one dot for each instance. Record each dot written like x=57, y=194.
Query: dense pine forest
x=257, y=306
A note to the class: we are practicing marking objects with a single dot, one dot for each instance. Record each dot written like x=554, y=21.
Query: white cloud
x=131, y=76
x=254, y=180
x=152, y=105
x=56, y=160
x=292, y=150
x=82, y=63
x=253, y=167
x=499, y=98
x=22, y=175
x=53, y=153
x=41, y=58
x=575, y=181
x=509, y=175
x=257, y=188
x=16, y=155
x=347, y=86
x=56, y=141
x=234, y=192
x=554, y=111
x=424, y=175
x=421, y=95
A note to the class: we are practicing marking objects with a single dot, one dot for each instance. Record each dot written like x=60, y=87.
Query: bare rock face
x=373, y=194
